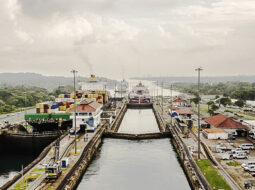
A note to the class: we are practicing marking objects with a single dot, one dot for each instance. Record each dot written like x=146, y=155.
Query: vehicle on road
x=248, y=146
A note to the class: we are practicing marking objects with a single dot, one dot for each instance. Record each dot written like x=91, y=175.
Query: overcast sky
x=126, y=38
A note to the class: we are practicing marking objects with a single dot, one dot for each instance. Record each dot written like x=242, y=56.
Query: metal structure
x=198, y=120
x=75, y=144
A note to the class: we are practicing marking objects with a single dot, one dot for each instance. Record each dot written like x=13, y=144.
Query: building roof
x=222, y=121
x=215, y=130
x=87, y=106
x=184, y=111
x=179, y=100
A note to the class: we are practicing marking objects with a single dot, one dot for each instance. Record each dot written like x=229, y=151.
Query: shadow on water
x=11, y=164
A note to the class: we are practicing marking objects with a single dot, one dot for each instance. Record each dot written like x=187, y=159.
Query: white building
x=88, y=114
x=215, y=134
x=179, y=102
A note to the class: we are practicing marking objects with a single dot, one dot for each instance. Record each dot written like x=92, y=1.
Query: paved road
x=14, y=117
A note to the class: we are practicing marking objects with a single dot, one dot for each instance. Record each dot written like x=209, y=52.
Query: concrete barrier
x=116, y=123
x=159, y=120
x=137, y=136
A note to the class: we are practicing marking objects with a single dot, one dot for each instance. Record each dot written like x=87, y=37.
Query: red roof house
x=224, y=122
x=179, y=100
x=87, y=106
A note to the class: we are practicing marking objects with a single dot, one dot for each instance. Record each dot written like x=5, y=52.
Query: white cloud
x=154, y=35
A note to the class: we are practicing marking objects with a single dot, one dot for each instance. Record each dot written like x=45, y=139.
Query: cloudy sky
x=123, y=38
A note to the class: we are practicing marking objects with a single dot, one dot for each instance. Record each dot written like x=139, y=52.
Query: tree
x=224, y=101
x=239, y=103
x=210, y=103
x=195, y=100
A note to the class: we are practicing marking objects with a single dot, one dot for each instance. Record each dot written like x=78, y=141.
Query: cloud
x=146, y=37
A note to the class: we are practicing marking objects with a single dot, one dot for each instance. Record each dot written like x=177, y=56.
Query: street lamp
x=75, y=144
x=162, y=100
x=171, y=104
x=198, y=120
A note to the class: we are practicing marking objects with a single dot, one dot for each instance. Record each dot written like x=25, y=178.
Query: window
x=90, y=114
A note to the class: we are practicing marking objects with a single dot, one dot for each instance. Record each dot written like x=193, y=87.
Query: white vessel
x=140, y=95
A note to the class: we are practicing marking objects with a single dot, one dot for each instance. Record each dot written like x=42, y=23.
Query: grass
x=234, y=163
x=22, y=184
x=213, y=177
x=39, y=170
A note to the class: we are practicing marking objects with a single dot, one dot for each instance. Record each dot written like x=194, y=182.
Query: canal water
x=139, y=121
x=127, y=165
x=11, y=164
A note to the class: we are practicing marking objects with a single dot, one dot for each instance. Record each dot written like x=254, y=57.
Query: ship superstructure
x=140, y=95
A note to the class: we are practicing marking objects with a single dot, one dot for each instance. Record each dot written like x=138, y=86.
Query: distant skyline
x=128, y=38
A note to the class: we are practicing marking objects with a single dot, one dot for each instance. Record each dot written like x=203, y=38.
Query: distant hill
x=48, y=82
x=203, y=79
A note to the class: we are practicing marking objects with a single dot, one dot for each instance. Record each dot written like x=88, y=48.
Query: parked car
x=250, y=163
x=240, y=156
x=236, y=150
x=250, y=168
x=248, y=146
x=227, y=156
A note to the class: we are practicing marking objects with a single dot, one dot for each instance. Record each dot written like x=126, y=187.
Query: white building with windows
x=88, y=115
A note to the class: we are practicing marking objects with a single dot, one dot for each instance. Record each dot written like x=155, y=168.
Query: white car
x=237, y=150
x=240, y=156
x=250, y=168
x=227, y=156
x=247, y=164
x=248, y=146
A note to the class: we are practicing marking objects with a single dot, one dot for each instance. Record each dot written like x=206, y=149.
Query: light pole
x=162, y=100
x=75, y=144
x=157, y=91
x=198, y=120
x=171, y=103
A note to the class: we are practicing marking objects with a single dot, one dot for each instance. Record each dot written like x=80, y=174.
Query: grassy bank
x=213, y=177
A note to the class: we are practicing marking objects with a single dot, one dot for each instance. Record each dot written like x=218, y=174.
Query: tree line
x=19, y=97
x=236, y=90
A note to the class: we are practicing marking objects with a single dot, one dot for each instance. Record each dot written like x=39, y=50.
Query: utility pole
x=115, y=92
x=157, y=91
x=198, y=120
x=25, y=101
x=162, y=100
x=171, y=103
x=75, y=144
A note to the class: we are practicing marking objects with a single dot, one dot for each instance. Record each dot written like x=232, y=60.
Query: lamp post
x=75, y=144
x=198, y=120
x=171, y=103
x=162, y=100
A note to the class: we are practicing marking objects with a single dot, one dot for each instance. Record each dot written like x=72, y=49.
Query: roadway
x=14, y=117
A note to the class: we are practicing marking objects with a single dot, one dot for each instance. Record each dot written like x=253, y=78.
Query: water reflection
x=11, y=164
